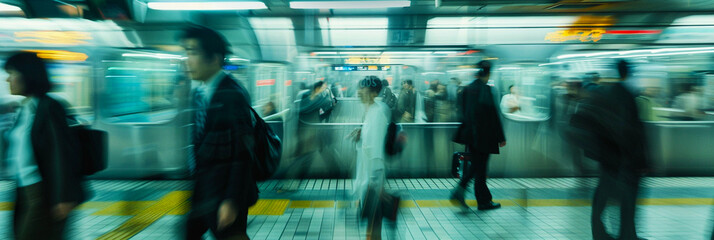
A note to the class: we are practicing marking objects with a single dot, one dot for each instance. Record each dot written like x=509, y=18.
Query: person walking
x=482, y=133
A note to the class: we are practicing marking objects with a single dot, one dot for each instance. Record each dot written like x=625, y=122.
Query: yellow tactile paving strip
x=125, y=208
x=148, y=216
x=177, y=203
x=6, y=206
x=269, y=207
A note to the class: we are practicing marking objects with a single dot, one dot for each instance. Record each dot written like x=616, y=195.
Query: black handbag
x=92, y=149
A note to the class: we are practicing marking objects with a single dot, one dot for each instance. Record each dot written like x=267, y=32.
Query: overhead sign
x=348, y=68
x=368, y=60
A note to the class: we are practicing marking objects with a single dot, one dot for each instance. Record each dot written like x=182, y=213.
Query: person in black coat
x=482, y=133
x=42, y=149
x=608, y=128
x=223, y=139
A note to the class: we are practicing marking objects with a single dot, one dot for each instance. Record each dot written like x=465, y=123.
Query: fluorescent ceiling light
x=152, y=55
x=207, y=6
x=446, y=52
x=4, y=7
x=325, y=53
x=407, y=53
x=237, y=59
x=664, y=54
x=464, y=70
x=347, y=4
x=360, y=53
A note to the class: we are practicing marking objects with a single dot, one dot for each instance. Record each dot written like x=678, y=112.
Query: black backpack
x=267, y=150
x=396, y=139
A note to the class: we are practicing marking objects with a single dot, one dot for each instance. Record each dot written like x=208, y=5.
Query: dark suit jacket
x=481, y=122
x=607, y=126
x=224, y=154
x=406, y=103
x=55, y=153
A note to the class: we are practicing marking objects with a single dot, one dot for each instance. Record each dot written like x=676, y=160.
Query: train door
x=143, y=100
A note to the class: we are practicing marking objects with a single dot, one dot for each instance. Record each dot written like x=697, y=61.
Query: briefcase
x=459, y=162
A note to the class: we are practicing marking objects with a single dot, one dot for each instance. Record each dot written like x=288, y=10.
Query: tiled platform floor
x=557, y=208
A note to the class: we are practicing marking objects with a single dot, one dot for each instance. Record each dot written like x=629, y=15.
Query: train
x=128, y=80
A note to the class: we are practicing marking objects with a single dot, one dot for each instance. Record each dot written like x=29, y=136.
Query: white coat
x=370, y=149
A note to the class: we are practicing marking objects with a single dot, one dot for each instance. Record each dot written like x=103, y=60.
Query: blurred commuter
x=443, y=108
x=269, y=110
x=691, y=101
x=388, y=96
x=43, y=151
x=510, y=103
x=569, y=102
x=430, y=101
x=453, y=89
x=221, y=159
x=482, y=132
x=337, y=90
x=647, y=102
x=315, y=107
x=370, y=176
x=608, y=128
x=407, y=102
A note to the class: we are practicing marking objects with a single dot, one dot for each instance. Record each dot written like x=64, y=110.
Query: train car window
x=523, y=92
x=675, y=86
x=269, y=91
x=143, y=91
x=675, y=89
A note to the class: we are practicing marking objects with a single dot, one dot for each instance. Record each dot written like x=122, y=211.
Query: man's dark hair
x=510, y=87
x=210, y=41
x=485, y=67
x=409, y=82
x=317, y=85
x=33, y=70
x=372, y=82
x=623, y=68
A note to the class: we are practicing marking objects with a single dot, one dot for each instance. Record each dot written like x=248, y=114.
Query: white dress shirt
x=20, y=151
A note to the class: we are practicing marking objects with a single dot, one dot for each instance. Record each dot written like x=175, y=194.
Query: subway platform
x=533, y=208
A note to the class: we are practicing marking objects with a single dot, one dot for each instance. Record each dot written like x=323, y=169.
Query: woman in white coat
x=370, y=176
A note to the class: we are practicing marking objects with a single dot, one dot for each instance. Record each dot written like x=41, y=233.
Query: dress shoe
x=458, y=195
x=489, y=206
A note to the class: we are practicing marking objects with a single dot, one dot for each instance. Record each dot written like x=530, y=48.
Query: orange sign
x=582, y=34
x=266, y=82
x=60, y=55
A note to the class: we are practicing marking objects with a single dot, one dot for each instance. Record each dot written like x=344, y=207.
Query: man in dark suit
x=482, y=133
x=609, y=130
x=406, y=103
x=222, y=140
